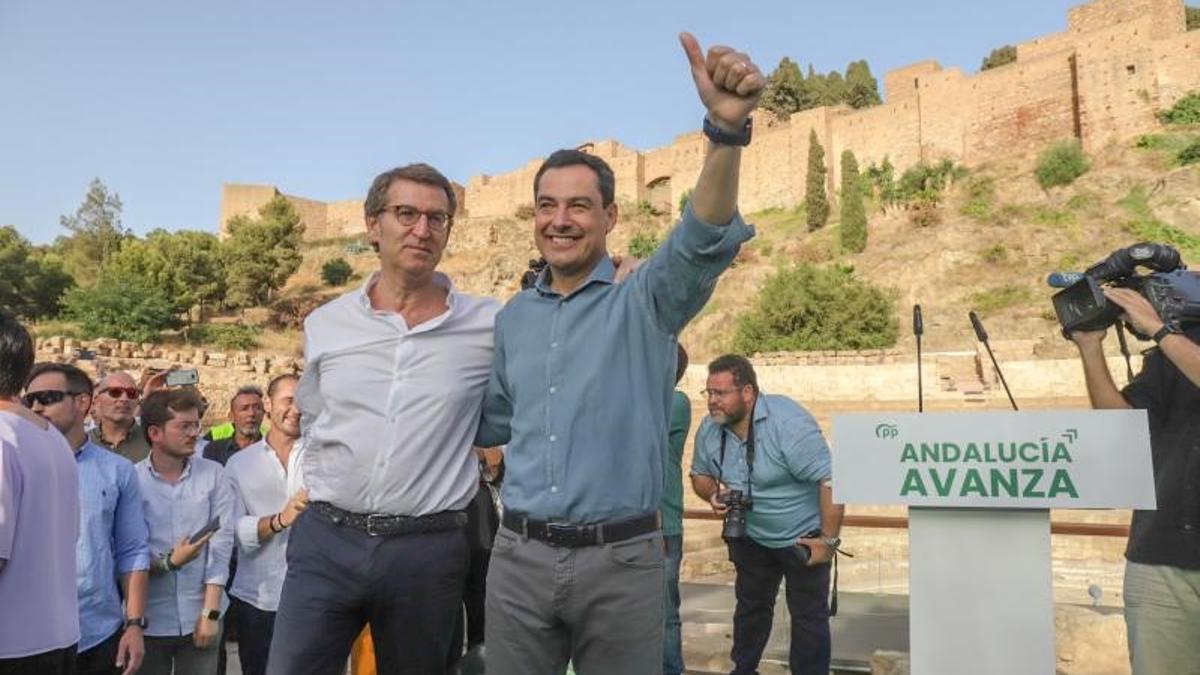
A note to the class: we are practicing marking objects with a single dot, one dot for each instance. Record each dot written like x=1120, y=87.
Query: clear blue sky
x=164, y=101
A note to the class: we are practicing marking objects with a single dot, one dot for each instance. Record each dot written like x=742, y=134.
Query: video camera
x=1173, y=291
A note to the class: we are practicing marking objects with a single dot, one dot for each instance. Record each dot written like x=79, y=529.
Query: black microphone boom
x=918, y=331
x=982, y=335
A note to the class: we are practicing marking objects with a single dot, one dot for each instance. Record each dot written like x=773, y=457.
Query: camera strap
x=749, y=455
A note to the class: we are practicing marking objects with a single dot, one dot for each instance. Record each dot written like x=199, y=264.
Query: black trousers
x=101, y=659
x=57, y=662
x=759, y=571
x=408, y=588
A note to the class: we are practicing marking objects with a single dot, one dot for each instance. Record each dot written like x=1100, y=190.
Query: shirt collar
x=363, y=297
x=89, y=446
x=603, y=273
x=187, y=469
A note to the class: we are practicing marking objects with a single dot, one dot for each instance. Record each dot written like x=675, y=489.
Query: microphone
x=918, y=330
x=981, y=334
x=1064, y=279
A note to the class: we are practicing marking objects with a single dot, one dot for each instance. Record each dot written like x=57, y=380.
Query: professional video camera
x=1173, y=291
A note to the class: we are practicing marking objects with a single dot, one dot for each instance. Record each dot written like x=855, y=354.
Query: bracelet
x=167, y=564
x=271, y=525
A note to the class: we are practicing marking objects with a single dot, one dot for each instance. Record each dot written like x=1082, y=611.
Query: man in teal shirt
x=580, y=393
x=770, y=448
x=672, y=519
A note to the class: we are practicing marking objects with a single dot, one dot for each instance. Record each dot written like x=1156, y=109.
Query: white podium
x=979, y=486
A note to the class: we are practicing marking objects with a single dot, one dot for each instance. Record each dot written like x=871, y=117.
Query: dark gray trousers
x=408, y=587
x=601, y=607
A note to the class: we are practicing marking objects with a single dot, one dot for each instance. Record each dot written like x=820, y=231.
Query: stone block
x=884, y=662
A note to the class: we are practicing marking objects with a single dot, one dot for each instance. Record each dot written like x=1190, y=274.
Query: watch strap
x=721, y=137
x=1167, y=329
x=211, y=614
x=139, y=621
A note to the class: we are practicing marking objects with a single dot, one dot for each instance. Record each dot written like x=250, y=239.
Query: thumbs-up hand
x=728, y=82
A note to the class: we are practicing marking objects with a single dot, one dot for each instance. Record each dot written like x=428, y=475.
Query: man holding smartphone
x=183, y=495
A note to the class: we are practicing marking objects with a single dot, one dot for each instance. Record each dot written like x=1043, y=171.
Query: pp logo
x=887, y=431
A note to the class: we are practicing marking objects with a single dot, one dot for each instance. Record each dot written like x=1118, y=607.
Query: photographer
x=1162, y=573
x=765, y=455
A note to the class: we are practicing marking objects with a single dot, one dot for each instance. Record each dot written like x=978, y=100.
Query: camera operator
x=1162, y=573
x=767, y=450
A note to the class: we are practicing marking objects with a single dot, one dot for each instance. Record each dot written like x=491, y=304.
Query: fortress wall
x=1176, y=65
x=945, y=110
x=1116, y=82
x=312, y=215
x=899, y=85
x=766, y=168
x=890, y=130
x=1044, y=45
x=242, y=200
x=345, y=218
x=1166, y=17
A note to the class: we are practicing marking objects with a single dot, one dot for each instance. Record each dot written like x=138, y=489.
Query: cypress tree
x=815, y=200
x=854, y=215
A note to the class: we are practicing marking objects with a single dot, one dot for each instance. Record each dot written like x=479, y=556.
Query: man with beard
x=580, y=393
x=246, y=415
x=116, y=406
x=264, y=510
x=112, y=546
x=770, y=449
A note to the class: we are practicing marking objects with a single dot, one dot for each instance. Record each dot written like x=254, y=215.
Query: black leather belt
x=574, y=536
x=387, y=525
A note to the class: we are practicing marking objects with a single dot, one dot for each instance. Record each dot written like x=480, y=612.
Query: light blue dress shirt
x=580, y=390
x=791, y=460
x=112, y=539
x=175, y=511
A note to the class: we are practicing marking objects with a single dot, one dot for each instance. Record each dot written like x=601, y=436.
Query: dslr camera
x=739, y=505
x=1173, y=291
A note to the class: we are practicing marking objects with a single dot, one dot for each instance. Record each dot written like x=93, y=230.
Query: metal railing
x=901, y=523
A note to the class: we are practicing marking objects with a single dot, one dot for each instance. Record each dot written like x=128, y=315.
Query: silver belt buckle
x=372, y=518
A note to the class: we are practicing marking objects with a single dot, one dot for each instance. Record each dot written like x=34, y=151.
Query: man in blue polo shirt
x=770, y=449
x=580, y=392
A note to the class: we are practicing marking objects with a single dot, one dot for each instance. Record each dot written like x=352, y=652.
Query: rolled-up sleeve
x=703, y=462
x=131, y=536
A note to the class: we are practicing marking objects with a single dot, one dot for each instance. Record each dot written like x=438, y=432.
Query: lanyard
x=749, y=456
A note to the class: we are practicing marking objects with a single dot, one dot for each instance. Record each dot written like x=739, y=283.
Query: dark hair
x=77, y=380
x=244, y=390
x=565, y=158
x=681, y=362
x=417, y=173
x=159, y=407
x=277, y=380
x=738, y=366
x=16, y=356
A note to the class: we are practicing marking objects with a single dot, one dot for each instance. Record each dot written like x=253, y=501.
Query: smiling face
x=411, y=250
x=282, y=410
x=570, y=222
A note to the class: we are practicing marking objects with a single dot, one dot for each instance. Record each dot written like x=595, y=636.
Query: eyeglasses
x=186, y=426
x=719, y=393
x=46, y=397
x=408, y=216
x=117, y=392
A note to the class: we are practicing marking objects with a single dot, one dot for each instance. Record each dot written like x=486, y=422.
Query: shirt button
x=554, y=488
x=553, y=438
x=554, y=345
x=553, y=389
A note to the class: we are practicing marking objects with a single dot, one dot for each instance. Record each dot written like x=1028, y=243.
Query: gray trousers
x=178, y=655
x=600, y=607
x=1162, y=617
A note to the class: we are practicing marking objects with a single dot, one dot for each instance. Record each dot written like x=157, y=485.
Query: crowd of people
x=453, y=486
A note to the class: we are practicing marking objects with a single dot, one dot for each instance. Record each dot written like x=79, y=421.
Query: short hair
x=736, y=365
x=564, y=158
x=244, y=390
x=16, y=356
x=681, y=362
x=77, y=380
x=273, y=386
x=419, y=172
x=159, y=407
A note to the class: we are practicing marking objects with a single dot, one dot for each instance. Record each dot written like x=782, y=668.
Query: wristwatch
x=211, y=614
x=721, y=137
x=1167, y=329
x=832, y=542
x=139, y=621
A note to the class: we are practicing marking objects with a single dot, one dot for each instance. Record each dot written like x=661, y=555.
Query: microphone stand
x=918, y=330
x=981, y=334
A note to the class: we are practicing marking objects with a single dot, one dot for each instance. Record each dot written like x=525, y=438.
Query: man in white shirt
x=390, y=402
x=264, y=509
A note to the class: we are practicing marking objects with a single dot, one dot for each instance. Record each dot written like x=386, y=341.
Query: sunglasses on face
x=46, y=398
x=117, y=392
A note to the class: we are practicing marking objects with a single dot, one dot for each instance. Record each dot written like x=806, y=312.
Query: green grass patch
x=995, y=254
x=1048, y=215
x=1146, y=226
x=55, y=327
x=1001, y=297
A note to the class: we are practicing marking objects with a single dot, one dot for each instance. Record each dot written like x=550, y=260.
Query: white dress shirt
x=389, y=411
x=260, y=488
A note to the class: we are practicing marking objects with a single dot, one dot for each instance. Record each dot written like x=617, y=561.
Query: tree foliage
x=1000, y=56
x=815, y=200
x=186, y=264
x=643, y=245
x=262, y=253
x=789, y=90
x=1185, y=111
x=336, y=272
x=807, y=308
x=1061, y=164
x=96, y=233
x=854, y=215
x=1193, y=17
x=121, y=305
x=32, y=280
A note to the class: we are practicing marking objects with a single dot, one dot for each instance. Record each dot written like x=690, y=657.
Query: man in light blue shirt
x=112, y=528
x=770, y=449
x=580, y=393
x=182, y=494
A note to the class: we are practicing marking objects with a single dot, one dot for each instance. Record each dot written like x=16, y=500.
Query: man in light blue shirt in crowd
x=770, y=449
x=182, y=494
x=580, y=393
x=112, y=542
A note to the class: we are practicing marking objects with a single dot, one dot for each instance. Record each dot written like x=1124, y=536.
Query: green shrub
x=1185, y=111
x=523, y=212
x=1061, y=164
x=643, y=245
x=806, y=308
x=1048, y=215
x=995, y=254
x=1084, y=201
x=1146, y=226
x=122, y=306
x=231, y=337
x=683, y=200
x=999, y=56
x=336, y=272
x=981, y=194
x=998, y=298
x=1189, y=155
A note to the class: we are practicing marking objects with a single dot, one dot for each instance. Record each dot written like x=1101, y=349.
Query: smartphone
x=212, y=526
x=84, y=354
x=178, y=378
